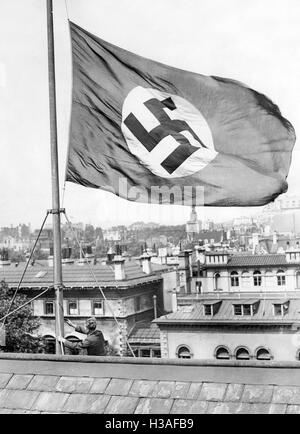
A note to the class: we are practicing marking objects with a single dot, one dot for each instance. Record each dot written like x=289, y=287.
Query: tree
x=20, y=325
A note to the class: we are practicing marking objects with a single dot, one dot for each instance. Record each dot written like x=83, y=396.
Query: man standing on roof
x=94, y=342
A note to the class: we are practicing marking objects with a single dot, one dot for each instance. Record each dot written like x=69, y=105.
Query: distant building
x=116, y=233
x=193, y=226
x=233, y=328
x=225, y=272
x=239, y=307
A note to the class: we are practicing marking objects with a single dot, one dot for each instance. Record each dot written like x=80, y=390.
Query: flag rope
x=97, y=282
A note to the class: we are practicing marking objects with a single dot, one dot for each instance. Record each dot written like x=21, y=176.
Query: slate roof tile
x=19, y=382
x=50, y=401
x=86, y=403
x=74, y=384
x=154, y=406
x=186, y=406
x=121, y=404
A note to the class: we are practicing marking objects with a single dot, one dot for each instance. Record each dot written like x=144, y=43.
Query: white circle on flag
x=168, y=134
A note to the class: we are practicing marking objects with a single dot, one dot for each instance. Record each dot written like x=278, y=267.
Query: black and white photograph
x=149, y=210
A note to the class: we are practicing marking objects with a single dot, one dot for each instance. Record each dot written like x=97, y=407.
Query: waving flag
x=139, y=127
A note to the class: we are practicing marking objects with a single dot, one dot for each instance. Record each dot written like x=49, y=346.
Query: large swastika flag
x=138, y=125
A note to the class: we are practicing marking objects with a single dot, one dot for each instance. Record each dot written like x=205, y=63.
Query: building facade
x=127, y=296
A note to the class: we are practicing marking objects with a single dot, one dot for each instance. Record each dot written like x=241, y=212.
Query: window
x=49, y=308
x=208, y=309
x=238, y=309
x=145, y=352
x=247, y=309
x=234, y=278
x=257, y=278
x=73, y=308
x=280, y=278
x=198, y=287
x=222, y=353
x=156, y=353
x=280, y=309
x=242, y=354
x=263, y=354
x=184, y=352
x=97, y=308
x=216, y=281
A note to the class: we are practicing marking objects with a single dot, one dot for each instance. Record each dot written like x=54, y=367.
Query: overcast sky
x=254, y=41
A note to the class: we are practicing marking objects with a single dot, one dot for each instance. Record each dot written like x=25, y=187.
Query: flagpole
x=57, y=267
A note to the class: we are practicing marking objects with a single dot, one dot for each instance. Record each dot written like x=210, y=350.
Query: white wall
x=283, y=345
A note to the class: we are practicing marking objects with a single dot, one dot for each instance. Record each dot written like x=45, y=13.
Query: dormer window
x=238, y=309
x=246, y=309
x=280, y=309
x=208, y=310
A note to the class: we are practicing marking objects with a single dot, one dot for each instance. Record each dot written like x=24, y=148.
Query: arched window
x=263, y=354
x=234, y=278
x=184, y=352
x=222, y=353
x=49, y=344
x=257, y=278
x=242, y=354
x=216, y=281
x=280, y=278
x=245, y=279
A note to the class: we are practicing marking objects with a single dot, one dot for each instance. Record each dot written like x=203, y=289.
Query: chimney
x=110, y=255
x=146, y=263
x=275, y=238
x=184, y=259
x=119, y=267
x=200, y=254
x=174, y=301
x=66, y=256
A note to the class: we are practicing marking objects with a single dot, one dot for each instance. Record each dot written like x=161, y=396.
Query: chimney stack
x=119, y=267
x=146, y=263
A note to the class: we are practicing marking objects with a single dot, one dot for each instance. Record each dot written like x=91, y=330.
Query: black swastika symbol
x=167, y=127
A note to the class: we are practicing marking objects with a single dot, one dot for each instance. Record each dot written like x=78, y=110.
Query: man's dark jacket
x=94, y=342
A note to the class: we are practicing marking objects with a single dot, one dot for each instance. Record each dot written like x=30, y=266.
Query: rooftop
x=145, y=333
x=248, y=260
x=86, y=384
x=75, y=275
x=263, y=312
